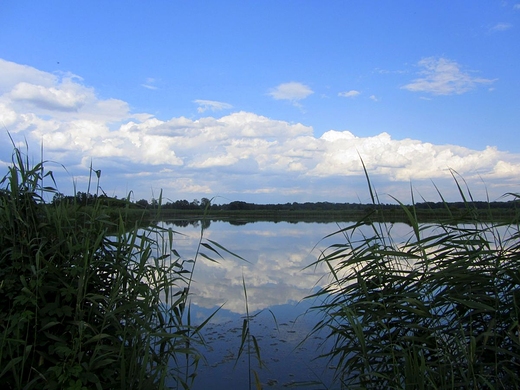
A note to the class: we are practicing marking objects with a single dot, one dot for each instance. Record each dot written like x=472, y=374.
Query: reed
x=438, y=310
x=249, y=342
x=87, y=300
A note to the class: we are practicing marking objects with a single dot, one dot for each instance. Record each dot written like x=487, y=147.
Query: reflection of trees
x=183, y=223
x=237, y=222
x=205, y=223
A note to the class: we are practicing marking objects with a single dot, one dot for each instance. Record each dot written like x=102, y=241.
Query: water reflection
x=276, y=279
x=277, y=255
x=274, y=273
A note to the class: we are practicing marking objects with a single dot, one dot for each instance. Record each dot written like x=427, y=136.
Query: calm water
x=276, y=282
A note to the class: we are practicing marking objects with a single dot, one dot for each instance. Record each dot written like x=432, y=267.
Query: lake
x=276, y=281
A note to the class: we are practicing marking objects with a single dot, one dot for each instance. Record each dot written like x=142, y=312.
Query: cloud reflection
x=277, y=255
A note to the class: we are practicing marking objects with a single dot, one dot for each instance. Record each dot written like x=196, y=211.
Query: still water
x=277, y=279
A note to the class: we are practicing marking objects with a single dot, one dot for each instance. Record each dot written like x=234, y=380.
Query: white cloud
x=234, y=155
x=443, y=77
x=374, y=98
x=516, y=6
x=61, y=99
x=150, y=84
x=501, y=27
x=211, y=105
x=64, y=97
x=292, y=91
x=351, y=93
x=404, y=160
x=12, y=73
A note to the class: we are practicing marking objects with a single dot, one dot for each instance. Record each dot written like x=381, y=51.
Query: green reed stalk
x=247, y=338
x=438, y=310
x=86, y=300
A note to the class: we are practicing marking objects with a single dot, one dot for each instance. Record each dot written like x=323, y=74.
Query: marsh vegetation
x=92, y=298
x=437, y=310
x=88, y=301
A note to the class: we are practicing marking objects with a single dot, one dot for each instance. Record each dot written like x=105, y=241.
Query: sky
x=265, y=101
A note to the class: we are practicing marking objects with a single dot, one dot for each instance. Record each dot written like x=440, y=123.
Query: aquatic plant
x=438, y=310
x=249, y=342
x=87, y=301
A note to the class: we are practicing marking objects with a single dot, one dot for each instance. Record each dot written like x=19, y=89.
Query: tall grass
x=249, y=342
x=86, y=301
x=438, y=310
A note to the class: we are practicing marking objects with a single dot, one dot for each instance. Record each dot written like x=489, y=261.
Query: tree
x=142, y=203
x=204, y=202
x=58, y=198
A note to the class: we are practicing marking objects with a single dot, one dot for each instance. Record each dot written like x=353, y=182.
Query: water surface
x=277, y=278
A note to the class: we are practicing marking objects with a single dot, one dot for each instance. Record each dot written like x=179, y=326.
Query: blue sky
x=266, y=101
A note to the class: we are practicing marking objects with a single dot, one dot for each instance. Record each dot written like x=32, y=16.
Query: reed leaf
x=439, y=310
x=89, y=300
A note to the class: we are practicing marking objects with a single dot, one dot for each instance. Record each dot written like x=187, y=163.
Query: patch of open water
x=276, y=280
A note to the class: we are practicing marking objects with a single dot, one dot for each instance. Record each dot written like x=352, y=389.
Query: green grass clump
x=86, y=302
x=438, y=310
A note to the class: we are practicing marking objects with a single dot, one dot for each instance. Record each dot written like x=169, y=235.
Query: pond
x=276, y=279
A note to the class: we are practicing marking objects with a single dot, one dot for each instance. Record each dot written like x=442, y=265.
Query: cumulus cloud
x=403, y=160
x=205, y=105
x=61, y=99
x=292, y=91
x=30, y=92
x=12, y=73
x=238, y=154
x=351, y=93
x=442, y=76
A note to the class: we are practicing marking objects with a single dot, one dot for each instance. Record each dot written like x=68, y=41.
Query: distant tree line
x=87, y=199
x=322, y=206
x=84, y=199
